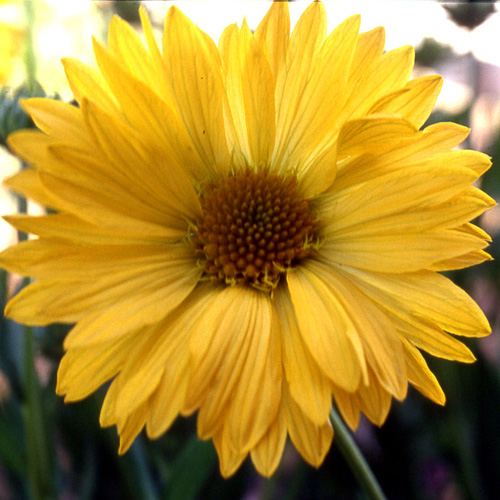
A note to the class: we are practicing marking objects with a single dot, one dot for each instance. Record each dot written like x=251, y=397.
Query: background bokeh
x=51, y=450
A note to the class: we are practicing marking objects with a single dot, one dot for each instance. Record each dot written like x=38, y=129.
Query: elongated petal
x=382, y=132
x=140, y=165
x=316, y=118
x=381, y=344
x=57, y=118
x=420, y=376
x=241, y=355
x=258, y=96
x=158, y=295
x=229, y=458
x=348, y=405
x=373, y=400
x=125, y=43
x=95, y=206
x=267, y=454
x=160, y=356
x=311, y=440
x=86, y=81
x=306, y=40
x=27, y=183
x=414, y=101
x=326, y=330
x=273, y=35
x=424, y=295
x=131, y=426
x=373, y=74
x=70, y=228
x=84, y=370
x=234, y=45
x=308, y=385
x=193, y=63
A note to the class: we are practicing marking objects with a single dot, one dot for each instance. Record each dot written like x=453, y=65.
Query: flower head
x=248, y=230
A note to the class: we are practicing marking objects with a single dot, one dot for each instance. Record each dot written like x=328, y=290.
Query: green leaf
x=191, y=470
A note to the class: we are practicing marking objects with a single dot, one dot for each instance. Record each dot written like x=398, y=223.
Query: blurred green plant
x=12, y=115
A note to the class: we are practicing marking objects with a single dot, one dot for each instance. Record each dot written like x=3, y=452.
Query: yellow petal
x=373, y=400
x=142, y=166
x=229, y=458
x=131, y=426
x=237, y=359
x=400, y=212
x=373, y=195
x=415, y=296
x=42, y=303
x=414, y=102
x=462, y=261
x=156, y=348
x=381, y=344
x=380, y=132
x=433, y=140
x=420, y=376
x=220, y=329
x=70, y=227
x=159, y=294
x=348, y=405
x=311, y=440
x=369, y=49
x=84, y=370
x=307, y=384
x=267, y=454
x=374, y=75
x=82, y=284
x=57, y=119
x=193, y=64
x=27, y=183
x=107, y=416
x=108, y=209
x=416, y=251
x=256, y=398
x=87, y=82
x=258, y=97
x=306, y=41
x=89, y=171
x=149, y=113
x=273, y=35
x=33, y=147
x=125, y=43
x=156, y=58
x=316, y=123
x=436, y=342
x=234, y=45
x=425, y=215
x=168, y=399
x=329, y=335
x=161, y=357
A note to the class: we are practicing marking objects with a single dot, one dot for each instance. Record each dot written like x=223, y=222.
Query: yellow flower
x=11, y=37
x=245, y=231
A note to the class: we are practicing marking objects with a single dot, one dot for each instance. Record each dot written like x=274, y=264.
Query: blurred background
x=51, y=450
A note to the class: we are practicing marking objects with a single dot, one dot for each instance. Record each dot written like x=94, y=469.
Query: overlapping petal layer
x=126, y=173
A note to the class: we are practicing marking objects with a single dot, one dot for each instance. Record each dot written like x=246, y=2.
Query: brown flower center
x=254, y=227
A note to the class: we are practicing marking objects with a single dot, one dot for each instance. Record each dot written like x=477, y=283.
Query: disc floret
x=255, y=226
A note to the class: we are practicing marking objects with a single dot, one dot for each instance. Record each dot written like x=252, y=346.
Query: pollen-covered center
x=254, y=227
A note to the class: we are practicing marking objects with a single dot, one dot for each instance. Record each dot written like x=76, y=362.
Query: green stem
x=355, y=459
x=39, y=473
x=30, y=57
x=39, y=470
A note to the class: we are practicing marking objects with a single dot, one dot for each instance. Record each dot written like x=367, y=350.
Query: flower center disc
x=255, y=226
